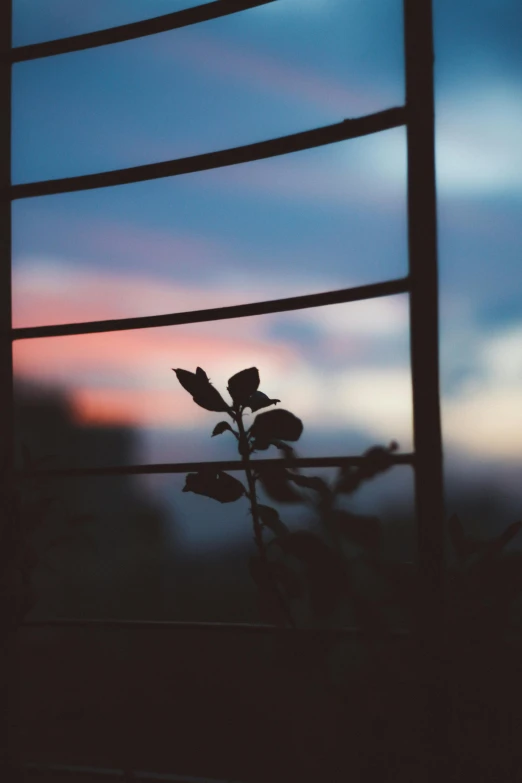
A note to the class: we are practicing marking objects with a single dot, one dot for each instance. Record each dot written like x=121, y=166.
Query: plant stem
x=244, y=450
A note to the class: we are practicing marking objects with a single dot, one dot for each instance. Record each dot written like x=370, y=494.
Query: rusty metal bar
x=295, y=142
x=128, y=32
x=424, y=335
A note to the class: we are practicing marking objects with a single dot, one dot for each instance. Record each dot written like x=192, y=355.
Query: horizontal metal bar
x=128, y=32
x=188, y=467
x=165, y=625
x=295, y=142
x=103, y=773
x=344, y=295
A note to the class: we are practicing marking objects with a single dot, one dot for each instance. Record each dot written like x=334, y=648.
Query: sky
x=306, y=222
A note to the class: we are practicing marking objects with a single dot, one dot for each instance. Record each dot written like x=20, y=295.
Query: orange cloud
x=135, y=407
x=126, y=377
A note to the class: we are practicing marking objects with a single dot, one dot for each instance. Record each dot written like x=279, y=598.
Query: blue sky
x=317, y=220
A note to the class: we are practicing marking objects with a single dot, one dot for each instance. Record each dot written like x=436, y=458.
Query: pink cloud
x=53, y=292
x=126, y=377
x=126, y=242
x=268, y=74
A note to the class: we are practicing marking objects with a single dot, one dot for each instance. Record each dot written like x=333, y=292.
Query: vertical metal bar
x=6, y=363
x=9, y=749
x=424, y=336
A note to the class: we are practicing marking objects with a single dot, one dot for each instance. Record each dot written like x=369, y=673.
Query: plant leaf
x=277, y=486
x=348, y=480
x=189, y=380
x=377, y=460
x=243, y=385
x=258, y=444
x=203, y=393
x=284, y=448
x=277, y=425
x=270, y=519
x=216, y=485
x=221, y=427
x=311, y=482
x=259, y=400
x=359, y=528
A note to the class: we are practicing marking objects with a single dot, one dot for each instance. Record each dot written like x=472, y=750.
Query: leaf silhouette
x=284, y=448
x=259, y=400
x=377, y=460
x=270, y=518
x=218, y=486
x=359, y=528
x=243, y=385
x=221, y=427
x=277, y=486
x=259, y=444
x=348, y=480
x=311, y=482
x=203, y=393
x=276, y=425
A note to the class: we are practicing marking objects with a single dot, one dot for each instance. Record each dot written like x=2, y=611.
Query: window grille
x=421, y=283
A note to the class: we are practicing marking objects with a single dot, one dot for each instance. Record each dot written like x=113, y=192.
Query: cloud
x=478, y=151
x=374, y=318
x=268, y=74
x=100, y=369
x=484, y=416
x=115, y=242
x=126, y=376
x=352, y=173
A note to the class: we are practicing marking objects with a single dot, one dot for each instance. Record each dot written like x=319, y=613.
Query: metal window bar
x=421, y=284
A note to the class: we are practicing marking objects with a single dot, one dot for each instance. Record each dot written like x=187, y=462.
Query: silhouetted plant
x=482, y=585
x=289, y=565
